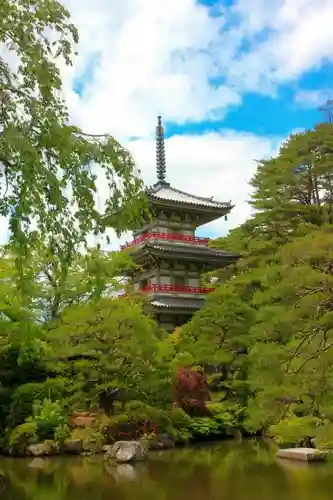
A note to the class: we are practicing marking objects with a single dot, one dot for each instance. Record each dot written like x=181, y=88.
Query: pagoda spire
x=160, y=152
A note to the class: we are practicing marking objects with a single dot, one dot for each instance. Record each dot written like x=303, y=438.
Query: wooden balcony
x=194, y=240
x=177, y=289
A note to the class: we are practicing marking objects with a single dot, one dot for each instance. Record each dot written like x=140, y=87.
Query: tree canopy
x=49, y=166
x=267, y=329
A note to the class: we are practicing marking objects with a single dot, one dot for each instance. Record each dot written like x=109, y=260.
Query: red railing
x=176, y=288
x=167, y=236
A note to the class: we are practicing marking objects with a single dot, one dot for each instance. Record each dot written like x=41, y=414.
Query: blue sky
x=231, y=79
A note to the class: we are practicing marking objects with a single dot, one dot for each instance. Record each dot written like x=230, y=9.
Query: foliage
x=108, y=348
x=257, y=357
x=92, y=439
x=294, y=431
x=191, y=392
x=49, y=167
x=48, y=416
x=264, y=336
x=21, y=437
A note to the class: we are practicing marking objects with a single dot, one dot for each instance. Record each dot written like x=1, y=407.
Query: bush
x=294, y=431
x=324, y=436
x=228, y=416
x=180, y=425
x=48, y=416
x=204, y=427
x=191, y=391
x=21, y=437
x=92, y=439
x=24, y=396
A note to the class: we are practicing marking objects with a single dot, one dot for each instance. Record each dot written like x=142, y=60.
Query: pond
x=225, y=471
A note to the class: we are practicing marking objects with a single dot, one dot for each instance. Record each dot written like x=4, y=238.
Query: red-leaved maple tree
x=191, y=392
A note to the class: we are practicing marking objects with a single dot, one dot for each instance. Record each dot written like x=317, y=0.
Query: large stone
x=38, y=463
x=43, y=449
x=302, y=454
x=126, y=451
x=124, y=472
x=159, y=442
x=73, y=446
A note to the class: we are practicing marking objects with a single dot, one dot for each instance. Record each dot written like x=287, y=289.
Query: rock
x=159, y=442
x=165, y=441
x=126, y=451
x=107, y=448
x=124, y=472
x=43, y=449
x=73, y=446
x=38, y=463
x=303, y=454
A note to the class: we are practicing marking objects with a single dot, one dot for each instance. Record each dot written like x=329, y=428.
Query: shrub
x=24, y=396
x=21, y=437
x=48, y=416
x=180, y=425
x=61, y=433
x=92, y=439
x=204, y=427
x=191, y=392
x=294, y=431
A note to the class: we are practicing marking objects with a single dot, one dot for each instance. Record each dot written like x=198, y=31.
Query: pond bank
x=246, y=470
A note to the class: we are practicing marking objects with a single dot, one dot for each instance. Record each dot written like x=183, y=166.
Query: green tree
x=109, y=347
x=54, y=280
x=292, y=341
x=291, y=195
x=267, y=328
x=49, y=166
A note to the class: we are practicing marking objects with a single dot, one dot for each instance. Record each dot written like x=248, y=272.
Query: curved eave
x=171, y=306
x=203, y=213
x=188, y=252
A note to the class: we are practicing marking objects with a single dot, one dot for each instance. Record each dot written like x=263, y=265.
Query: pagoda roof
x=163, y=191
x=165, y=303
x=186, y=248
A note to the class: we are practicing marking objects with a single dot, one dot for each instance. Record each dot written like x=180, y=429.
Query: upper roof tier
x=164, y=191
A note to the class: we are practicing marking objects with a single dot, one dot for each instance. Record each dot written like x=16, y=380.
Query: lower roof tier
x=173, y=303
x=186, y=252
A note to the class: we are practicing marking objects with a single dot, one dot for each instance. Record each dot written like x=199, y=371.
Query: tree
x=291, y=341
x=266, y=330
x=53, y=281
x=49, y=166
x=109, y=347
x=292, y=195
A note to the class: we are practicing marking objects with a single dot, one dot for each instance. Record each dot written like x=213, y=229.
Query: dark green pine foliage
x=271, y=314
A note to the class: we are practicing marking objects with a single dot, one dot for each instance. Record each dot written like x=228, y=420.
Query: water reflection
x=231, y=470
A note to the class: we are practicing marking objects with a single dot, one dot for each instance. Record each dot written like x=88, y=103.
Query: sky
x=231, y=79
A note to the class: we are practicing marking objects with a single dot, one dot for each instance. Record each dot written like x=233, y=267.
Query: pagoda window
x=178, y=280
x=143, y=283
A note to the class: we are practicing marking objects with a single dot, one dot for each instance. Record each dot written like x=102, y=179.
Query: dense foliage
x=49, y=167
x=267, y=329
x=81, y=367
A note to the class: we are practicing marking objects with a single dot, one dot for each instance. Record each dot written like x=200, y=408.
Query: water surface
x=226, y=471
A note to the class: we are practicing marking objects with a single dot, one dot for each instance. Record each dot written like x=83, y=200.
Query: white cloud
x=312, y=98
x=160, y=57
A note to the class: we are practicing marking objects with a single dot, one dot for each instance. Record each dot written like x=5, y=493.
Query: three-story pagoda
x=171, y=257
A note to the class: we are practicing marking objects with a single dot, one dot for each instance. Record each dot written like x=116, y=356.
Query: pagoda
x=171, y=257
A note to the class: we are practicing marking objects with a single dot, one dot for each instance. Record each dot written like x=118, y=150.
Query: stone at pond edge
x=73, y=447
x=38, y=463
x=159, y=442
x=43, y=449
x=126, y=451
x=107, y=448
x=303, y=454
